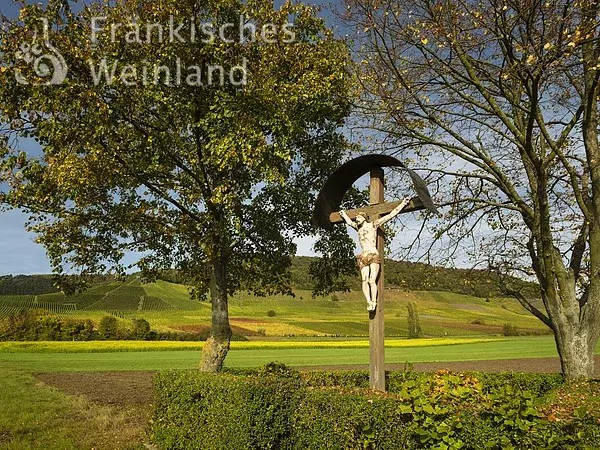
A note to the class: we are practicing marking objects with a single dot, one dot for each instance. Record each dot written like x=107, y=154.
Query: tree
x=140, y=328
x=414, y=324
x=108, y=327
x=499, y=98
x=209, y=176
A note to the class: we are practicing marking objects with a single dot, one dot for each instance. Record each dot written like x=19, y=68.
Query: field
x=167, y=307
x=34, y=357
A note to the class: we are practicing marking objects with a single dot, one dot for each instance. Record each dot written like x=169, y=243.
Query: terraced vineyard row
x=154, y=304
x=121, y=314
x=57, y=309
x=76, y=302
x=124, y=298
x=15, y=304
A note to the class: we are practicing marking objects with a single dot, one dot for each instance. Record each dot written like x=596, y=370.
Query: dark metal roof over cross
x=326, y=211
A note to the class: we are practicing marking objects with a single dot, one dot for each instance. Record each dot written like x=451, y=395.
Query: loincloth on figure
x=366, y=259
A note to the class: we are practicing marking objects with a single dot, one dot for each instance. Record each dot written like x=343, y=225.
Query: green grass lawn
x=523, y=347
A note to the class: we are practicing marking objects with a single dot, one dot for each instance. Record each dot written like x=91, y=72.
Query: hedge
x=276, y=408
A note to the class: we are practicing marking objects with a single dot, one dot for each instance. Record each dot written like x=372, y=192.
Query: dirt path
x=532, y=365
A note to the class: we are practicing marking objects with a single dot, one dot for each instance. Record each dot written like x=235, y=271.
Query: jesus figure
x=369, y=261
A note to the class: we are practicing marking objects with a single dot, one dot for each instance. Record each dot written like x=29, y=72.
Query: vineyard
x=123, y=298
x=154, y=304
x=169, y=308
x=15, y=304
x=76, y=302
x=119, y=299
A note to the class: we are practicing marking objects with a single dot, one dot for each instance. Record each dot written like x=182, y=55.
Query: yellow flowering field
x=147, y=346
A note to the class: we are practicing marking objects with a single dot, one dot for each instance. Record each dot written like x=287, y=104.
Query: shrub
x=199, y=410
x=108, y=327
x=335, y=298
x=34, y=325
x=141, y=328
x=271, y=313
x=414, y=325
x=338, y=419
x=509, y=330
x=478, y=322
x=538, y=383
x=277, y=408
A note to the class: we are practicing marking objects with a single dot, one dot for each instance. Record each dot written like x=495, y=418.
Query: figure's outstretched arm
x=348, y=220
x=397, y=210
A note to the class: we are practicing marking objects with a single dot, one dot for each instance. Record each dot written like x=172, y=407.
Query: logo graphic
x=47, y=63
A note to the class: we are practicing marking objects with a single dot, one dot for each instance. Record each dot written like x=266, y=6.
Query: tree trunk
x=572, y=319
x=216, y=347
x=576, y=351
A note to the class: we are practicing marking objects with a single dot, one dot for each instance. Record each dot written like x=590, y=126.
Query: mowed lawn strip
x=529, y=347
x=141, y=346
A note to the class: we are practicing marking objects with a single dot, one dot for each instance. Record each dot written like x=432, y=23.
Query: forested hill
x=398, y=274
x=26, y=285
x=424, y=277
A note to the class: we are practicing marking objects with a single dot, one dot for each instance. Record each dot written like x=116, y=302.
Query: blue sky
x=18, y=253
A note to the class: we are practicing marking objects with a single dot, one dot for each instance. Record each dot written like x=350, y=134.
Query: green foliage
x=414, y=325
x=271, y=313
x=441, y=314
x=340, y=419
x=195, y=410
x=509, y=330
x=274, y=407
x=336, y=268
x=140, y=328
x=514, y=413
x=31, y=326
x=346, y=378
x=187, y=176
x=275, y=369
x=26, y=285
x=538, y=383
x=478, y=283
x=38, y=325
x=212, y=179
x=108, y=327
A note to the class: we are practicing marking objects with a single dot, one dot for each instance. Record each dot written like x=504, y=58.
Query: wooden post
x=376, y=322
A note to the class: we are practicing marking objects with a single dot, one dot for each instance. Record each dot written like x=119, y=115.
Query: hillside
x=167, y=306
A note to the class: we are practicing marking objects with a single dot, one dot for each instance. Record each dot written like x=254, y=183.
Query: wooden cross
x=325, y=215
x=377, y=209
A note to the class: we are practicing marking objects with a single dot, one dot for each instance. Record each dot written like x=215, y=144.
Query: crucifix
x=368, y=222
